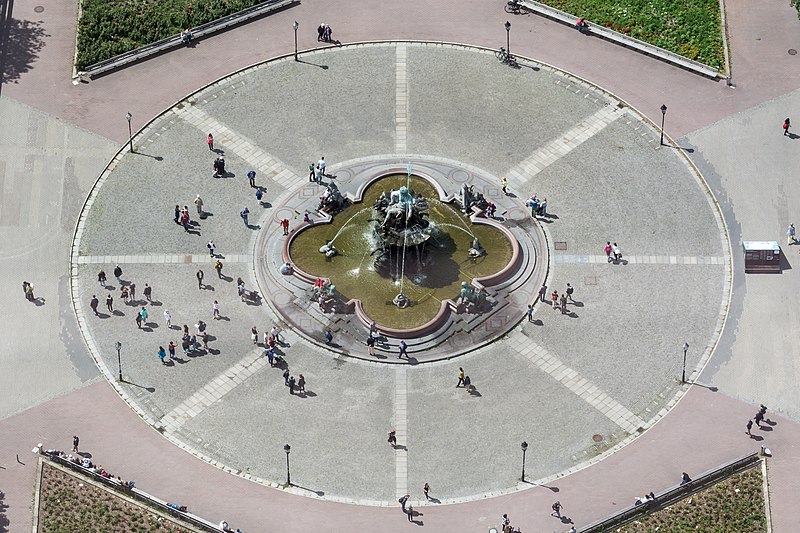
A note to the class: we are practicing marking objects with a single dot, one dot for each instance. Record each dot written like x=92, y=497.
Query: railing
x=204, y=30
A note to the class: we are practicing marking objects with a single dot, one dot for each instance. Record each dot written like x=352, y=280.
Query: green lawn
x=109, y=28
x=691, y=28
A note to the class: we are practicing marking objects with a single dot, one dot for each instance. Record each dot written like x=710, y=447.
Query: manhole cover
x=792, y=52
x=40, y=9
x=561, y=245
x=590, y=280
x=597, y=438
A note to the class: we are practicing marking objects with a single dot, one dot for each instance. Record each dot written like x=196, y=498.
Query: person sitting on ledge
x=582, y=26
x=186, y=36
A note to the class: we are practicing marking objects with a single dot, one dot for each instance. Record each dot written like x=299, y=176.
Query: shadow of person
x=770, y=422
x=38, y=301
x=117, y=312
x=223, y=277
x=757, y=438
x=474, y=392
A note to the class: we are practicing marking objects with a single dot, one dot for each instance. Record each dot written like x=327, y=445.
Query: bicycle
x=503, y=56
x=514, y=6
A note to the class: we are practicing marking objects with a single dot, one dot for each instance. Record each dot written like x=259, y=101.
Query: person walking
x=749, y=427
x=554, y=299
x=311, y=173
x=410, y=514
x=402, y=501
x=211, y=248
x=210, y=141
x=504, y=183
x=616, y=251
x=110, y=303
x=285, y=226
x=144, y=314
x=101, y=279
x=371, y=345
x=185, y=219
x=790, y=235
x=530, y=313
x=758, y=418
x=171, y=350
x=607, y=250
x=460, y=377
x=198, y=202
x=570, y=290
x=321, y=165
x=168, y=318
x=94, y=303
x=291, y=385
x=138, y=321
x=251, y=175
x=162, y=355
x=786, y=124
x=244, y=214
x=25, y=289
x=563, y=302
x=259, y=197
x=543, y=293
x=215, y=310
x=132, y=289
x=148, y=292
x=425, y=490
x=286, y=376
x=118, y=274
x=392, y=438
x=254, y=335
x=328, y=336
x=75, y=442
x=301, y=384
x=556, y=510
x=199, y=277
x=403, y=347
x=218, y=268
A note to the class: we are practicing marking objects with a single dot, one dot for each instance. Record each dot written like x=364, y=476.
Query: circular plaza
x=574, y=385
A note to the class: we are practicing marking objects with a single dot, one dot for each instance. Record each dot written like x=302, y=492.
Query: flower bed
x=67, y=504
x=735, y=504
x=109, y=28
x=691, y=28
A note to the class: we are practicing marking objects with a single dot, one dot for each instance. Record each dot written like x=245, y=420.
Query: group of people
x=538, y=206
x=182, y=214
x=317, y=171
x=27, y=290
x=559, y=302
x=613, y=252
x=762, y=411
x=86, y=463
x=324, y=33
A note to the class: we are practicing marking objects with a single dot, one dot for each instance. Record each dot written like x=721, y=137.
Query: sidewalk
x=703, y=431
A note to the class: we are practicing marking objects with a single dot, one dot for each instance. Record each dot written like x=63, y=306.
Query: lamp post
x=683, y=374
x=118, y=346
x=524, y=447
x=508, y=38
x=663, y=114
x=295, y=25
x=130, y=132
x=287, y=449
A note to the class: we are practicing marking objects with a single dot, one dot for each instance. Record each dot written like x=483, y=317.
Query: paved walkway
x=763, y=70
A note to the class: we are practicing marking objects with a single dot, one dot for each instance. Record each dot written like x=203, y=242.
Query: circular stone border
x=81, y=315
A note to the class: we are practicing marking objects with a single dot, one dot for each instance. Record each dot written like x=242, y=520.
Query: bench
x=174, y=41
x=624, y=40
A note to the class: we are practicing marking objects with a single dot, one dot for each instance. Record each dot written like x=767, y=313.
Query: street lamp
x=524, y=447
x=683, y=374
x=130, y=132
x=118, y=346
x=663, y=114
x=508, y=38
x=295, y=25
x=287, y=449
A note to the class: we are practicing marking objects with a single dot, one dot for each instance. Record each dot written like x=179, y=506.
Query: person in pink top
x=607, y=250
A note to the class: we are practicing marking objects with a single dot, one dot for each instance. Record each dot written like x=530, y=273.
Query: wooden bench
x=204, y=30
x=624, y=40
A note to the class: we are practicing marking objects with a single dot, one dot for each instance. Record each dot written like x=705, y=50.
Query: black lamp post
x=663, y=114
x=130, y=132
x=524, y=447
x=118, y=346
x=295, y=25
x=287, y=449
x=508, y=38
x=683, y=374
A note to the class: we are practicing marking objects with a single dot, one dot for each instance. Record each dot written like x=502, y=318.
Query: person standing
x=260, y=196
x=118, y=274
x=251, y=175
x=504, y=183
x=215, y=310
x=210, y=141
x=94, y=303
x=554, y=299
x=185, y=219
x=790, y=235
x=301, y=384
x=254, y=335
x=138, y=321
x=177, y=217
x=110, y=303
x=311, y=173
x=320, y=31
x=410, y=514
x=29, y=292
x=101, y=279
x=211, y=248
x=291, y=385
x=403, y=347
x=132, y=289
x=543, y=293
x=25, y=289
x=371, y=345
x=563, y=302
x=286, y=376
x=425, y=490
x=570, y=290
x=171, y=349
x=285, y=226
x=749, y=427
x=607, y=250
x=162, y=355
x=168, y=318
x=530, y=313
x=75, y=442
x=218, y=268
x=556, y=510
x=148, y=292
x=373, y=329
x=460, y=377
x=402, y=501
x=198, y=202
x=505, y=522
x=392, y=438
x=321, y=165
x=328, y=336
x=199, y=277
x=786, y=124
x=144, y=314
x=616, y=251
x=244, y=214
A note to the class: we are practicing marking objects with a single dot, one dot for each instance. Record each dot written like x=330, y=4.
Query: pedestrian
x=556, y=510
x=425, y=490
x=251, y=175
x=94, y=303
x=110, y=303
x=786, y=124
x=193, y=343
x=162, y=354
x=254, y=335
x=373, y=329
x=118, y=274
x=75, y=442
x=505, y=522
x=460, y=377
x=410, y=513
x=29, y=292
x=124, y=294
x=554, y=299
x=291, y=385
x=185, y=343
x=685, y=478
x=311, y=173
x=321, y=165
x=101, y=279
x=393, y=438
x=607, y=250
x=144, y=314
x=138, y=321
x=530, y=313
x=177, y=217
x=570, y=290
x=276, y=332
x=205, y=340
x=320, y=31
x=168, y=318
x=467, y=383
x=749, y=427
x=402, y=346
x=790, y=232
x=244, y=214
x=758, y=418
x=285, y=226
x=240, y=288
x=25, y=289
x=572, y=530
x=199, y=203
x=504, y=183
x=132, y=289
x=403, y=500
x=563, y=302
x=215, y=310
x=371, y=345
x=286, y=376
x=199, y=276
x=616, y=251
x=210, y=141
x=318, y=176
x=259, y=196
x=148, y=292
x=218, y=268
x=171, y=349
x=301, y=384
x=185, y=219
x=211, y=247
x=328, y=336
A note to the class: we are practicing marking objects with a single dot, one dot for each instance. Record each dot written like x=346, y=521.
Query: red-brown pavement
x=705, y=429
